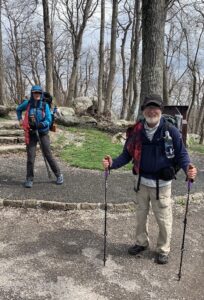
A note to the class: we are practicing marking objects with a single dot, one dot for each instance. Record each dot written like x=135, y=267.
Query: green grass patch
x=197, y=148
x=180, y=202
x=95, y=146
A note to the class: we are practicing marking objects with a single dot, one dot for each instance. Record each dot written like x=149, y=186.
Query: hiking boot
x=28, y=183
x=60, y=179
x=136, y=249
x=162, y=259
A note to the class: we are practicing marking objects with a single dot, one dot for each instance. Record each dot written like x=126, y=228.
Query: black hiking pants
x=31, y=153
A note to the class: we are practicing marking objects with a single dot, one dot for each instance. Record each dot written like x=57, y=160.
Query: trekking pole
x=107, y=171
x=45, y=160
x=184, y=229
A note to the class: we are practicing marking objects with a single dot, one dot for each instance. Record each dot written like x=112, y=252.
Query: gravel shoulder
x=59, y=255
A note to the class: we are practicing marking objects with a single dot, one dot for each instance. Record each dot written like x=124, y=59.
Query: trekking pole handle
x=190, y=181
x=107, y=170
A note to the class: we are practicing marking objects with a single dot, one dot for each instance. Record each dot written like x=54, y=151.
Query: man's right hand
x=107, y=162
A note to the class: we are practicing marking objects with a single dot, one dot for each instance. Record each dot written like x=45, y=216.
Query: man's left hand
x=191, y=172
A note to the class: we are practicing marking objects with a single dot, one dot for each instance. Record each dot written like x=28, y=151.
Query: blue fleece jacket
x=40, y=110
x=153, y=157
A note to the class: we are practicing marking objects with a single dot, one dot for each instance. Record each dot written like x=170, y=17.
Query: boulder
x=4, y=110
x=67, y=120
x=65, y=111
x=81, y=104
x=119, y=138
x=124, y=123
x=74, y=120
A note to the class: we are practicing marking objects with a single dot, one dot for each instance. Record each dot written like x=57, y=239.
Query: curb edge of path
x=54, y=205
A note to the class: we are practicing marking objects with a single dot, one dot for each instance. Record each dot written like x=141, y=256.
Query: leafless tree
x=2, y=87
x=101, y=59
x=125, y=27
x=111, y=76
x=48, y=47
x=75, y=19
x=134, y=76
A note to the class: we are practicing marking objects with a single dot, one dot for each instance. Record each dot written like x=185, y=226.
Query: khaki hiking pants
x=162, y=209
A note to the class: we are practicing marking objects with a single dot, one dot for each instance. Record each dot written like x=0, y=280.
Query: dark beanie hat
x=152, y=99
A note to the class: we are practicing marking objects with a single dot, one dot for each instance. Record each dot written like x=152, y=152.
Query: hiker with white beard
x=157, y=151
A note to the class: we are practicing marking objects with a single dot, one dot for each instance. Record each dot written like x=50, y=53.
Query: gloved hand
x=40, y=125
x=32, y=122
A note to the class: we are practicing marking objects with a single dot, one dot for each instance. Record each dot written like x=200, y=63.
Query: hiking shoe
x=28, y=183
x=60, y=179
x=136, y=249
x=162, y=259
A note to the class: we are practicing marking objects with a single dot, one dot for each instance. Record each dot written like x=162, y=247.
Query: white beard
x=152, y=120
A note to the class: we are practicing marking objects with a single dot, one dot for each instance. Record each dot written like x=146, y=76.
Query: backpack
x=47, y=98
x=177, y=121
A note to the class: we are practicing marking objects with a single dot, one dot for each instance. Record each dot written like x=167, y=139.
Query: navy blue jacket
x=153, y=157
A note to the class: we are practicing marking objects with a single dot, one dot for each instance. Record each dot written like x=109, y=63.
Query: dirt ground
x=59, y=255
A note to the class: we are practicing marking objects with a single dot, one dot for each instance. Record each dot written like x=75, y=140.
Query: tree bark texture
x=134, y=72
x=1, y=63
x=48, y=48
x=101, y=59
x=153, y=22
x=108, y=102
x=77, y=49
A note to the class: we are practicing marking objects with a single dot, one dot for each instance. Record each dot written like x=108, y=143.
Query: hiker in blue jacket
x=155, y=148
x=36, y=125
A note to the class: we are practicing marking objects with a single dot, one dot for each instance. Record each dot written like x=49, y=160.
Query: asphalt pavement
x=79, y=185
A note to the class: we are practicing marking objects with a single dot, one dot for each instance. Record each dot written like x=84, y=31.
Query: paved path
x=80, y=185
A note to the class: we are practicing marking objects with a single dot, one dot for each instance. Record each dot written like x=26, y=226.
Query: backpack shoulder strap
x=25, y=120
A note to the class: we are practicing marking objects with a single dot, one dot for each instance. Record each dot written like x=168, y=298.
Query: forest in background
x=117, y=51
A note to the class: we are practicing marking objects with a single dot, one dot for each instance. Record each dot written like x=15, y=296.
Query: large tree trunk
x=48, y=48
x=108, y=102
x=153, y=22
x=2, y=95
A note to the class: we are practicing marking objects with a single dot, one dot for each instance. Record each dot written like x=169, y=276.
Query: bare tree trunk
x=165, y=85
x=153, y=23
x=77, y=36
x=19, y=80
x=101, y=59
x=108, y=102
x=202, y=132
x=200, y=117
x=193, y=95
x=127, y=85
x=48, y=48
x=135, y=72
x=2, y=95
